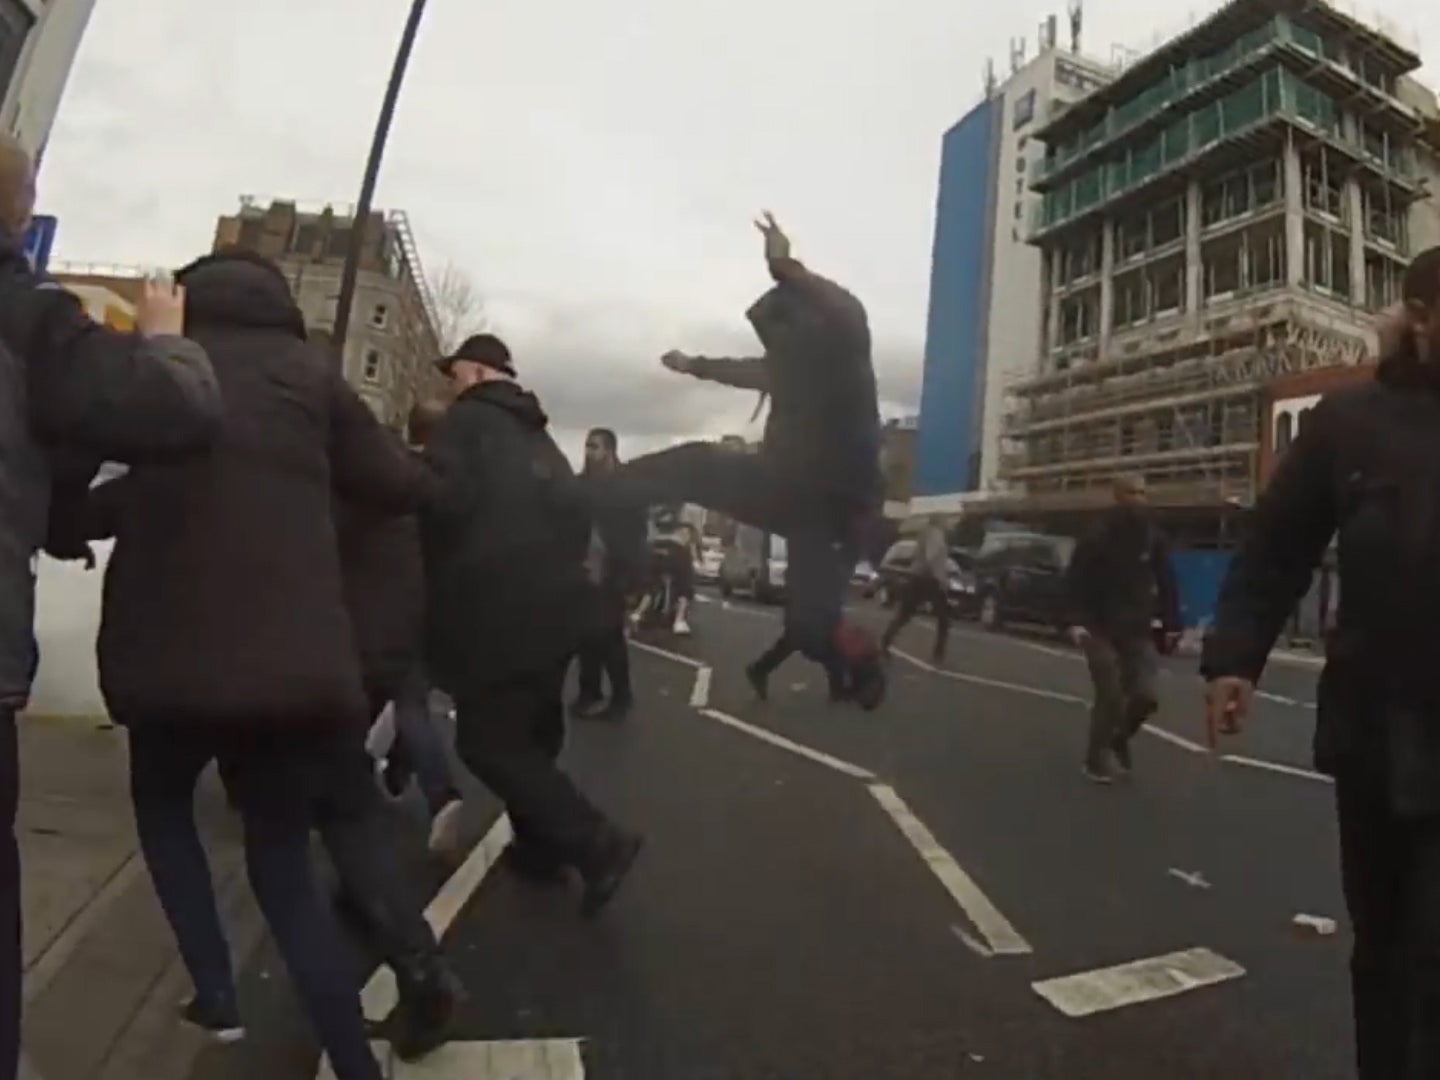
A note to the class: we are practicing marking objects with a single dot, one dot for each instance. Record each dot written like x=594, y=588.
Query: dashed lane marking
x=700, y=692
x=1137, y=982
x=766, y=735
x=1000, y=938
x=679, y=658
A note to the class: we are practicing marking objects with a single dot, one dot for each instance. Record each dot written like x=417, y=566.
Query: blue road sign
x=40, y=240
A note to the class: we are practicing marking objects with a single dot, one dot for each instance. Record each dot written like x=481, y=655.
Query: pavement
x=932, y=890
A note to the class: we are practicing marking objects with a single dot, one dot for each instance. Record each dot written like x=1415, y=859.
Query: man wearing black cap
x=505, y=547
x=816, y=480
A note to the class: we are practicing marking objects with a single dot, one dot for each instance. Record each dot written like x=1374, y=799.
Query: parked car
x=1021, y=577
x=712, y=557
x=755, y=564
x=897, y=566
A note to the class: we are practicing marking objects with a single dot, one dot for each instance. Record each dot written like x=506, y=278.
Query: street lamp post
x=346, y=300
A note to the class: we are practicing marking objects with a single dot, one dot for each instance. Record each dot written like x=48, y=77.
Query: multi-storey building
x=393, y=337
x=38, y=43
x=985, y=277
x=1233, y=207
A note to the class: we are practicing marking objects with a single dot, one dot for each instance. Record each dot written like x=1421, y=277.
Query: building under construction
x=1233, y=207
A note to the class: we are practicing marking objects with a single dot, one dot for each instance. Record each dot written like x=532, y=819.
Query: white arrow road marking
x=1001, y=938
x=1158, y=977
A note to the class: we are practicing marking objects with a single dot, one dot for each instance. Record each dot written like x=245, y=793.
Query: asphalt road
x=830, y=894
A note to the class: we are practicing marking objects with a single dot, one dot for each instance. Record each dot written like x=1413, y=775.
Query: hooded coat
x=223, y=598
x=823, y=430
x=505, y=544
x=1366, y=466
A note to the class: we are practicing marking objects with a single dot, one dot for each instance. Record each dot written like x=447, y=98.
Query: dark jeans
x=1122, y=672
x=420, y=741
x=510, y=733
x=1390, y=868
x=603, y=651
x=822, y=531
x=919, y=591
x=11, y=958
x=273, y=777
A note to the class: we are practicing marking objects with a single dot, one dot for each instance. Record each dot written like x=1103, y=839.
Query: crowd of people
x=285, y=570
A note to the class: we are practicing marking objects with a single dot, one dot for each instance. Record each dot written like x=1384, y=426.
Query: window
x=1167, y=223
x=1327, y=260
x=1024, y=109
x=1222, y=261
x=1131, y=237
x=373, y=366
x=1265, y=257
x=1324, y=191
x=1079, y=317
x=1020, y=166
x=1167, y=286
x=1128, y=307
x=1382, y=281
x=380, y=317
x=1240, y=193
x=1284, y=432
x=16, y=22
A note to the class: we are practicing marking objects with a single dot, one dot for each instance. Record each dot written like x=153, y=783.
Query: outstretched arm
x=749, y=373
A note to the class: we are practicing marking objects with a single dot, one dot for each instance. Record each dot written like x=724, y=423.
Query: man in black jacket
x=67, y=384
x=505, y=561
x=225, y=636
x=1366, y=464
x=614, y=565
x=816, y=480
x=1121, y=579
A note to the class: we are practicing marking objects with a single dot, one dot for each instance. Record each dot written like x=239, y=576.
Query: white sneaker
x=445, y=829
x=682, y=628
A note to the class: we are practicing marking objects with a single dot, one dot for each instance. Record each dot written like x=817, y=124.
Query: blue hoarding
x=40, y=240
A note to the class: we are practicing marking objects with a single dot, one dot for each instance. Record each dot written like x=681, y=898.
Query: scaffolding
x=1185, y=412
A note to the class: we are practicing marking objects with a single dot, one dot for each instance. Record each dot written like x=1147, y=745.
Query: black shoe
x=613, y=854
x=423, y=1020
x=221, y=1023
x=759, y=681
x=530, y=864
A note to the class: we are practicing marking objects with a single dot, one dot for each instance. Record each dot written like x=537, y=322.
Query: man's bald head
x=17, y=187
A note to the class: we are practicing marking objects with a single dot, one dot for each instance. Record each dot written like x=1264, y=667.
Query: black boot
x=759, y=680
x=612, y=853
x=532, y=864
x=430, y=996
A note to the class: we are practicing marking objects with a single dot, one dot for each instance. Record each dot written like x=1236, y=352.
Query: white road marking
x=1173, y=739
x=700, y=693
x=998, y=684
x=1277, y=767
x=511, y=1059
x=1194, y=879
x=1135, y=983
x=766, y=735
x=679, y=658
x=979, y=948
x=1001, y=938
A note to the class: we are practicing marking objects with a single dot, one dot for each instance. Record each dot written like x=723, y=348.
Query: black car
x=1021, y=577
x=898, y=564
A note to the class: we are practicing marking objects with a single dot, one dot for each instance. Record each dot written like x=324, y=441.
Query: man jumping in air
x=816, y=480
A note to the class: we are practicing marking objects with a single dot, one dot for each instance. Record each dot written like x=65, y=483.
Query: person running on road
x=816, y=480
x=1120, y=578
x=927, y=585
x=68, y=387
x=1366, y=466
x=614, y=565
x=505, y=553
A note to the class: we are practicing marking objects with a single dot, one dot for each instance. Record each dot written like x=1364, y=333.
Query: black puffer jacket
x=1121, y=577
x=824, y=424
x=69, y=385
x=223, y=598
x=505, y=546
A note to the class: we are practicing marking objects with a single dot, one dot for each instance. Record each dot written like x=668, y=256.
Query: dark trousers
x=1122, y=672
x=603, y=651
x=419, y=739
x=919, y=591
x=1390, y=868
x=509, y=733
x=273, y=778
x=822, y=531
x=11, y=958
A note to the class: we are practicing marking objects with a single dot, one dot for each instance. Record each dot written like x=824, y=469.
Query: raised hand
x=777, y=244
x=161, y=310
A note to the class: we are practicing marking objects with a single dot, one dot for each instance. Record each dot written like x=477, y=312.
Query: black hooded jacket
x=1365, y=465
x=824, y=424
x=505, y=544
x=223, y=598
x=1121, y=577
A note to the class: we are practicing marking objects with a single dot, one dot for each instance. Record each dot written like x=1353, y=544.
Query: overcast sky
x=594, y=166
